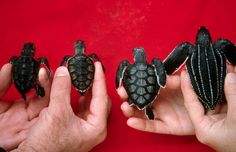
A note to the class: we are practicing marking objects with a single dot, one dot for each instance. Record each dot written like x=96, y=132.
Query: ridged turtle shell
x=141, y=84
x=81, y=69
x=207, y=70
x=25, y=73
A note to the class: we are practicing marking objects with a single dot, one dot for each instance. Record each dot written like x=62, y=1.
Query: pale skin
x=17, y=117
x=217, y=128
x=59, y=129
x=183, y=114
x=171, y=116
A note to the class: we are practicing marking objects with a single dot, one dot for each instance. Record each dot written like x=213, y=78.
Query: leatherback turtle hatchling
x=81, y=67
x=141, y=80
x=206, y=65
x=26, y=69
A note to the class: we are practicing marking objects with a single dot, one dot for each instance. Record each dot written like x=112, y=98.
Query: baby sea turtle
x=81, y=67
x=141, y=80
x=26, y=69
x=206, y=65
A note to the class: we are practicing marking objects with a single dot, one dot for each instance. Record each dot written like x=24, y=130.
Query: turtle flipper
x=178, y=57
x=228, y=48
x=160, y=71
x=120, y=72
x=44, y=61
x=39, y=90
x=95, y=58
x=149, y=113
x=12, y=59
x=65, y=60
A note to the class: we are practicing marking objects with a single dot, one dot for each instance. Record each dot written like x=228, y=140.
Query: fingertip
x=61, y=72
x=136, y=123
x=5, y=78
x=43, y=75
x=122, y=93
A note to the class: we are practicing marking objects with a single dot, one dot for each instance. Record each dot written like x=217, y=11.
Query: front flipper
x=149, y=113
x=39, y=90
x=178, y=57
x=65, y=60
x=120, y=72
x=95, y=58
x=160, y=72
x=12, y=59
x=228, y=48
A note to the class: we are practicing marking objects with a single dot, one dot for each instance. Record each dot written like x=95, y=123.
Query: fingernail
x=61, y=71
x=231, y=78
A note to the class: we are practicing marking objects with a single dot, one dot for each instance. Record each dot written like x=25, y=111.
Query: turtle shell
x=25, y=73
x=207, y=70
x=140, y=82
x=81, y=69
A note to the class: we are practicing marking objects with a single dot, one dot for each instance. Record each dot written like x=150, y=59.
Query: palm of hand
x=18, y=116
x=169, y=110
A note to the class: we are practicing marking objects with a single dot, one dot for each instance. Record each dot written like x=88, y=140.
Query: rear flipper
x=120, y=72
x=95, y=58
x=160, y=71
x=149, y=113
x=178, y=57
x=39, y=90
x=228, y=48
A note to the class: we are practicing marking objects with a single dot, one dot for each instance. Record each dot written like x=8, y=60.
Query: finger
x=192, y=104
x=230, y=93
x=60, y=91
x=5, y=78
x=100, y=103
x=122, y=93
x=130, y=111
x=12, y=143
x=230, y=68
x=173, y=81
x=155, y=126
x=36, y=103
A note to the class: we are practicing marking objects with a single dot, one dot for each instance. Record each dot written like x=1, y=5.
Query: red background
x=112, y=29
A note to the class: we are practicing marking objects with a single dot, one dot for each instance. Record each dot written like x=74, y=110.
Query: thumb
x=230, y=93
x=60, y=91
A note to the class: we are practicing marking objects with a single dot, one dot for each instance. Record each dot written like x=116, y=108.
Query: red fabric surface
x=112, y=29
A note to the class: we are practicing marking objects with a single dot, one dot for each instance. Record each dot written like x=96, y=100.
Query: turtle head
x=139, y=55
x=203, y=36
x=79, y=47
x=28, y=49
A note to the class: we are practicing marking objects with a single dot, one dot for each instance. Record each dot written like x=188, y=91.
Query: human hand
x=16, y=117
x=216, y=128
x=168, y=108
x=60, y=129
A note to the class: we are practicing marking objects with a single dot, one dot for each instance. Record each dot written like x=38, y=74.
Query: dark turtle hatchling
x=81, y=67
x=26, y=69
x=206, y=65
x=141, y=80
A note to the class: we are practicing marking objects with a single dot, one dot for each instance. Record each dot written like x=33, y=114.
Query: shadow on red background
x=112, y=29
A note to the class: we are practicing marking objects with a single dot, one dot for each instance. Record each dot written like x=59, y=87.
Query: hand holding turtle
x=67, y=130
x=172, y=116
x=216, y=128
x=16, y=117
